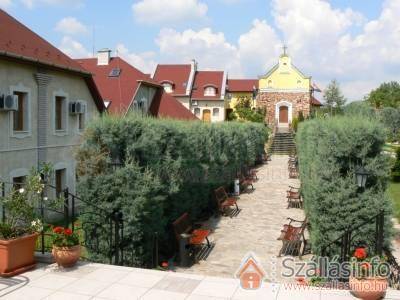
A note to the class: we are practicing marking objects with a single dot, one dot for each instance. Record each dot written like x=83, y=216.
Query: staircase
x=283, y=143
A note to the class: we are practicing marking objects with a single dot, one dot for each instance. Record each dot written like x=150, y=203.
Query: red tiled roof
x=121, y=90
x=242, y=85
x=19, y=43
x=315, y=102
x=18, y=40
x=177, y=74
x=166, y=106
x=118, y=90
x=207, y=78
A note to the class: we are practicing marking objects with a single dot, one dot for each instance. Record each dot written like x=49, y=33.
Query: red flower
x=360, y=253
x=164, y=264
x=67, y=231
x=58, y=230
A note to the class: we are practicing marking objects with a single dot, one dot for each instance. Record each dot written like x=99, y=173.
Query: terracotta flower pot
x=372, y=288
x=17, y=255
x=66, y=256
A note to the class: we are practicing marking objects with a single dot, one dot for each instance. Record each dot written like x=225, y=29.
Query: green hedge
x=329, y=151
x=170, y=167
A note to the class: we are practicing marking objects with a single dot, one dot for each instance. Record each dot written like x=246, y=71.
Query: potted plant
x=366, y=281
x=66, y=247
x=20, y=227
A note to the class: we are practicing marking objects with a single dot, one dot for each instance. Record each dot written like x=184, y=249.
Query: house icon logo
x=250, y=272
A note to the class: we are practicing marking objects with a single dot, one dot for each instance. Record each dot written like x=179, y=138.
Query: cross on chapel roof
x=284, y=47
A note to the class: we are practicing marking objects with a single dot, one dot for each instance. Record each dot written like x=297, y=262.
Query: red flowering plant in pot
x=66, y=248
x=368, y=280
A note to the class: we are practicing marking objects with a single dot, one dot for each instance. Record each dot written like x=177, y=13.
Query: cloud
x=168, y=11
x=324, y=44
x=209, y=48
x=71, y=26
x=143, y=61
x=73, y=48
x=258, y=48
x=5, y=3
x=71, y=3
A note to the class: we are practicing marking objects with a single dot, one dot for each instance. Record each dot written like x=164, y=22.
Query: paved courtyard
x=256, y=228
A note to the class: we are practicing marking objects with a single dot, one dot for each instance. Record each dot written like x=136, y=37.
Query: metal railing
x=346, y=242
x=98, y=223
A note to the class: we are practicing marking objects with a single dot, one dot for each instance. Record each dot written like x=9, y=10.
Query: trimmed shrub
x=329, y=152
x=169, y=167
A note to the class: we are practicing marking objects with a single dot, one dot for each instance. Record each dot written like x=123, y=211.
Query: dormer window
x=210, y=91
x=168, y=86
x=115, y=72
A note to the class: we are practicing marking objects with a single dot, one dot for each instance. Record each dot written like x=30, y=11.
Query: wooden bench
x=292, y=238
x=293, y=173
x=245, y=183
x=292, y=162
x=225, y=202
x=184, y=229
x=294, y=198
x=253, y=174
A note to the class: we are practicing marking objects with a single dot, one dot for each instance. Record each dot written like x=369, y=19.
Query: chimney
x=194, y=65
x=103, y=57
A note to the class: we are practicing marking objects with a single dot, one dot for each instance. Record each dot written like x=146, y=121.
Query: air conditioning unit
x=8, y=103
x=195, y=103
x=77, y=108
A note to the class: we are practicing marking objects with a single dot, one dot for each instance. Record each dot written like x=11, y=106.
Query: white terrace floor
x=96, y=281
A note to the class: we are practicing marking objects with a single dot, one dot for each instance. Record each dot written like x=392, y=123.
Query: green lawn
x=394, y=192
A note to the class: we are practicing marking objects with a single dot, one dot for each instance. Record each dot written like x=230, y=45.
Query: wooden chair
x=225, y=202
x=197, y=238
x=293, y=238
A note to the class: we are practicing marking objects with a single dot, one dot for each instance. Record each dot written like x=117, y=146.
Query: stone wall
x=300, y=102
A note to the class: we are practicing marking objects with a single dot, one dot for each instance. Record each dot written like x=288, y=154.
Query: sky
x=356, y=42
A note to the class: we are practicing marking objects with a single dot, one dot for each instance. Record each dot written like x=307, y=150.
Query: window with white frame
x=60, y=113
x=197, y=112
x=168, y=88
x=216, y=112
x=21, y=116
x=210, y=91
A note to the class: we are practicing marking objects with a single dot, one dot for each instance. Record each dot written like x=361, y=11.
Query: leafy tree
x=333, y=96
x=359, y=108
x=390, y=117
x=245, y=111
x=386, y=95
